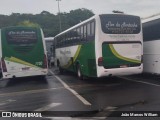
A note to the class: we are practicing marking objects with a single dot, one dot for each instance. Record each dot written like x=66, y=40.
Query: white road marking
x=2, y=110
x=37, y=91
x=71, y=90
x=28, y=92
x=45, y=108
x=7, y=102
x=148, y=83
x=3, y=103
x=76, y=118
x=110, y=108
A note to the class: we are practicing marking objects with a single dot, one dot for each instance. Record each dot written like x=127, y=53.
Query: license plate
x=123, y=66
x=26, y=68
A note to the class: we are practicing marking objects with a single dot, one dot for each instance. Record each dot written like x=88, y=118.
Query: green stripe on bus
x=16, y=60
x=74, y=58
x=122, y=57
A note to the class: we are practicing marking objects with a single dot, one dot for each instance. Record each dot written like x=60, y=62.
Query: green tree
x=28, y=24
x=46, y=20
x=79, y=15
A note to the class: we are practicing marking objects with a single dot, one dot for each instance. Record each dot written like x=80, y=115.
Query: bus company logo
x=121, y=25
x=65, y=52
x=123, y=28
x=21, y=32
x=6, y=114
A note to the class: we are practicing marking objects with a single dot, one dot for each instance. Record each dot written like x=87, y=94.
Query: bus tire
x=60, y=70
x=59, y=67
x=79, y=73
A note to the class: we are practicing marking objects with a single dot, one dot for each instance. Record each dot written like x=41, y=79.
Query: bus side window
x=75, y=35
x=78, y=35
x=63, y=40
x=88, y=31
x=151, y=30
x=85, y=32
x=57, y=43
x=72, y=36
x=68, y=39
x=92, y=30
x=82, y=35
x=60, y=41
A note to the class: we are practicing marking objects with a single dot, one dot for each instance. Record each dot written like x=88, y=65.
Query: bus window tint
x=151, y=30
x=24, y=36
x=82, y=37
x=92, y=28
x=85, y=32
x=78, y=34
x=71, y=38
x=118, y=24
x=88, y=30
x=63, y=40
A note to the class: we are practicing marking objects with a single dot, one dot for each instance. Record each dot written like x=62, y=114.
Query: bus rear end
x=23, y=52
x=120, y=49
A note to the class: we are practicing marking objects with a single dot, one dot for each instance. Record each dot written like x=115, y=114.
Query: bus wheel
x=79, y=73
x=59, y=67
x=60, y=70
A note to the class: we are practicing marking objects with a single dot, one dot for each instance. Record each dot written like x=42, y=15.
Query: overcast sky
x=143, y=8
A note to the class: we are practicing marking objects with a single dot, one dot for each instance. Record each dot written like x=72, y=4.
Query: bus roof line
x=150, y=18
x=81, y=23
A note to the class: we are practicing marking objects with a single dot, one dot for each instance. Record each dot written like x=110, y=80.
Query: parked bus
x=151, y=33
x=49, y=45
x=104, y=45
x=50, y=50
x=22, y=52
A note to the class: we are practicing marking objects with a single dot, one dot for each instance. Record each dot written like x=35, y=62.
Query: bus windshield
x=24, y=36
x=120, y=24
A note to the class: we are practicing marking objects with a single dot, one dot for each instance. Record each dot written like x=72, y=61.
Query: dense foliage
x=47, y=21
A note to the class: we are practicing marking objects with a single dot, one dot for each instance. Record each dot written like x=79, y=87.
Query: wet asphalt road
x=90, y=97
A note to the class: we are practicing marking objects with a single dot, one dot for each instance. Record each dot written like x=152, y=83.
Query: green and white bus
x=22, y=52
x=104, y=45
